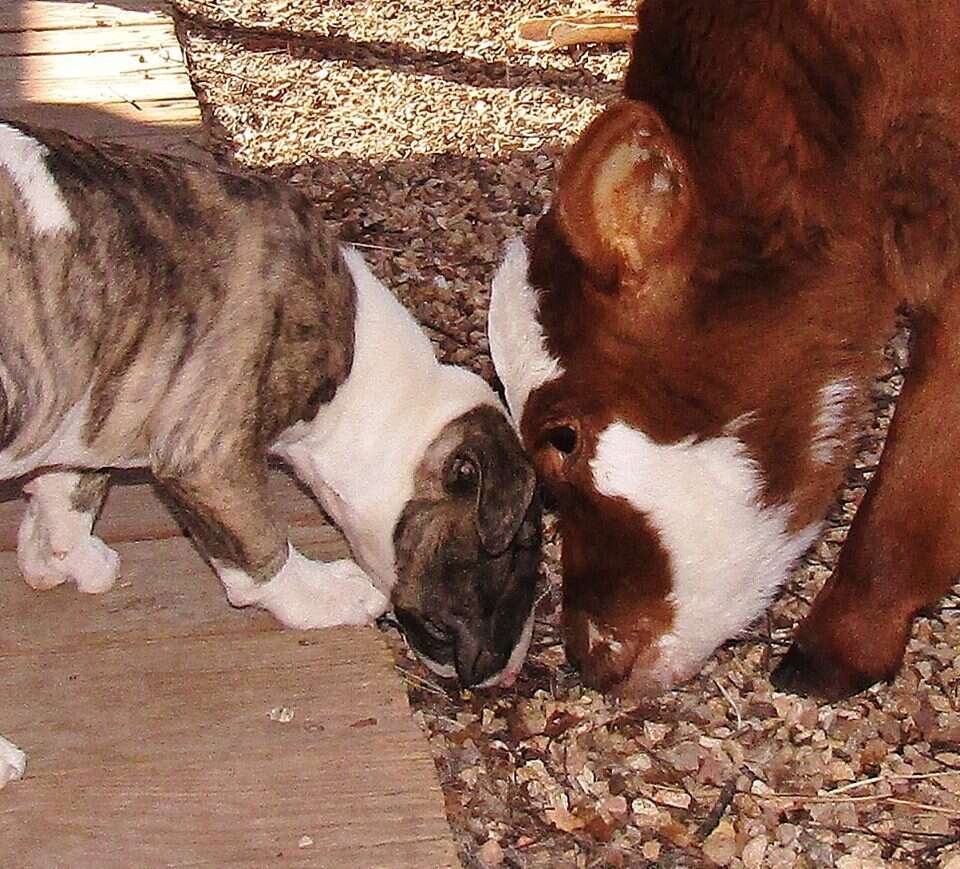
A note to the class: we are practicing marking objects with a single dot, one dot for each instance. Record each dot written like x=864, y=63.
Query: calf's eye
x=563, y=438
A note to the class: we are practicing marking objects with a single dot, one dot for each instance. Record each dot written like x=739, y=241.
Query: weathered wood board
x=103, y=70
x=146, y=714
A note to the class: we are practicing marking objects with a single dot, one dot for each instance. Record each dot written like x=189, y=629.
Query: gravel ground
x=430, y=136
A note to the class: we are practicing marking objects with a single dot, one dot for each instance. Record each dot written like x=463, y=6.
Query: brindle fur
x=443, y=608
x=192, y=357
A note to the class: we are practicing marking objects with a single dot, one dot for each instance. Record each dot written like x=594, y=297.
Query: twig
x=945, y=842
x=871, y=798
x=716, y=813
x=376, y=246
x=420, y=682
x=730, y=700
x=882, y=778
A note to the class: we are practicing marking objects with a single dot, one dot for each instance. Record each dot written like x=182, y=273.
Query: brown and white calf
x=689, y=343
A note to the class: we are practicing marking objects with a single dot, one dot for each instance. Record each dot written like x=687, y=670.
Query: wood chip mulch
x=431, y=135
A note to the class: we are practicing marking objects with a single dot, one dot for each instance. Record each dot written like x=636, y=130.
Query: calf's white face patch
x=23, y=158
x=728, y=553
x=517, y=343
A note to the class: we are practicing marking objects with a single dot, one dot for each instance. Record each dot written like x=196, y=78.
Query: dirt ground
x=431, y=136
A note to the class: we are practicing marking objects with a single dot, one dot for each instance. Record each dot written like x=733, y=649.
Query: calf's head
x=687, y=403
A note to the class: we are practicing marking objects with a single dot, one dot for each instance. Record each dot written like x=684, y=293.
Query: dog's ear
x=624, y=196
x=506, y=483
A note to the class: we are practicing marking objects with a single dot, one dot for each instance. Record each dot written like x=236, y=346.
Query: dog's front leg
x=256, y=563
x=903, y=550
x=55, y=543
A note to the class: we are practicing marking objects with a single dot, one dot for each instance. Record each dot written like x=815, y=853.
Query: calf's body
x=689, y=343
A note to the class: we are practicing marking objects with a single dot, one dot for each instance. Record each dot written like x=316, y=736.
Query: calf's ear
x=517, y=342
x=624, y=195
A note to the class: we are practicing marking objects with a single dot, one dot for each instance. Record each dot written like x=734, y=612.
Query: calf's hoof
x=803, y=672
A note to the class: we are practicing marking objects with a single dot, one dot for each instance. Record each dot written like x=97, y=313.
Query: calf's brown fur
x=782, y=179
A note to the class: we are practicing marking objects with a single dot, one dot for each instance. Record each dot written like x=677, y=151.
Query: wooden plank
x=20, y=15
x=108, y=90
x=134, y=511
x=109, y=77
x=145, y=714
x=160, y=34
x=163, y=753
x=150, y=61
x=164, y=590
x=149, y=118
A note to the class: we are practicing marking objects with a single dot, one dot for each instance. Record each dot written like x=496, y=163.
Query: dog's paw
x=315, y=594
x=49, y=559
x=310, y=594
x=13, y=762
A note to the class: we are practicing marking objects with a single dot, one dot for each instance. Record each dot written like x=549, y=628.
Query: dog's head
x=687, y=398
x=467, y=550
x=419, y=465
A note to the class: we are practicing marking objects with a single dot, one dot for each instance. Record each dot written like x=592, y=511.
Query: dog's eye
x=464, y=475
x=563, y=438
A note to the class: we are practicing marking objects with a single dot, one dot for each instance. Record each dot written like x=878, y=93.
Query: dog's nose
x=475, y=663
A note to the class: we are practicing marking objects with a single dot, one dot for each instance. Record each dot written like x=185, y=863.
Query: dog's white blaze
x=728, y=554
x=22, y=157
x=832, y=411
x=13, y=762
x=517, y=343
x=395, y=401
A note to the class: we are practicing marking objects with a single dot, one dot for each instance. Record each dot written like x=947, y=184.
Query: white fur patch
x=55, y=543
x=517, y=343
x=728, y=554
x=13, y=762
x=22, y=157
x=832, y=413
x=308, y=594
x=360, y=452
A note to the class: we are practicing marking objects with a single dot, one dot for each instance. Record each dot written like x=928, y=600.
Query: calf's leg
x=903, y=550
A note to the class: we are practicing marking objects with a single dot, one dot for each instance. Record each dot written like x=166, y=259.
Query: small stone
x=753, y=852
x=651, y=850
x=490, y=853
x=616, y=805
x=721, y=845
x=282, y=714
x=677, y=799
x=564, y=820
x=851, y=861
x=305, y=842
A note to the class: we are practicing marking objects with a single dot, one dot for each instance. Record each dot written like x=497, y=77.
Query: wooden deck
x=163, y=727
x=112, y=70
x=153, y=717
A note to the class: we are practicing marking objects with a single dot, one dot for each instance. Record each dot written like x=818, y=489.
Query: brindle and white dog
x=159, y=314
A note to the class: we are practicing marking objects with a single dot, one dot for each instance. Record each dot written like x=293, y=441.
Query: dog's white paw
x=13, y=762
x=309, y=594
x=69, y=554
